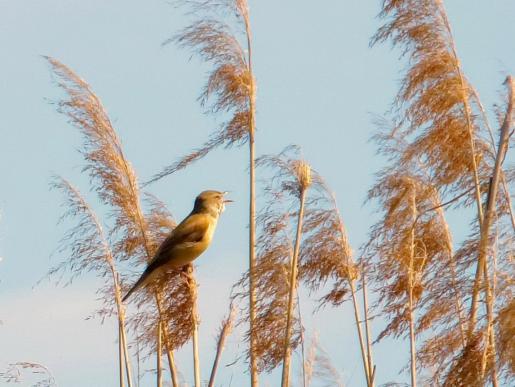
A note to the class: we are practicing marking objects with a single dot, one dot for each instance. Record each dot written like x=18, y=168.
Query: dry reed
x=115, y=182
x=88, y=249
x=230, y=90
x=225, y=330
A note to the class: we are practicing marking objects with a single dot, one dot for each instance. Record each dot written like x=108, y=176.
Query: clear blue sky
x=318, y=83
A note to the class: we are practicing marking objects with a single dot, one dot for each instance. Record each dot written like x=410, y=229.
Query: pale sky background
x=318, y=83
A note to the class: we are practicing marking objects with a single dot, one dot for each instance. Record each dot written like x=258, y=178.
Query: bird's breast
x=185, y=253
x=208, y=236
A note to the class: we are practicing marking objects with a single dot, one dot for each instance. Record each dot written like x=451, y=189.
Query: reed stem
x=252, y=204
x=411, y=284
x=169, y=351
x=371, y=366
x=159, y=351
x=194, y=325
x=285, y=381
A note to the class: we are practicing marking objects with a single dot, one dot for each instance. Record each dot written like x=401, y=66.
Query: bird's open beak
x=227, y=200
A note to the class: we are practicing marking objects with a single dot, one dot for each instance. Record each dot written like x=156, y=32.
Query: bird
x=187, y=241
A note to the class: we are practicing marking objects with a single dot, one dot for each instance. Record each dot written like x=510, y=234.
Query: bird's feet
x=187, y=275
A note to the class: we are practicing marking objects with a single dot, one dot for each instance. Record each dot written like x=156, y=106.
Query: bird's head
x=211, y=201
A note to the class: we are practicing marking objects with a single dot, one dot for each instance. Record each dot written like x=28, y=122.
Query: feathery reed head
x=85, y=244
x=292, y=176
x=230, y=87
x=13, y=374
x=134, y=236
x=303, y=172
x=435, y=102
x=111, y=174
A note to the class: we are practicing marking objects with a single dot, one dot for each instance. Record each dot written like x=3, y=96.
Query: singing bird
x=187, y=241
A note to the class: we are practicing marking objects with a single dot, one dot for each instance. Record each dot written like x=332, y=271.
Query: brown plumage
x=187, y=241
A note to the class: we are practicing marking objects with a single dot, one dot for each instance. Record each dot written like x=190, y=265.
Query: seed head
x=303, y=172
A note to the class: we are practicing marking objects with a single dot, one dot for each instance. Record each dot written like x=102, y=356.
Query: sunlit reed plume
x=113, y=179
x=229, y=87
x=231, y=92
x=324, y=253
x=444, y=125
x=87, y=250
x=410, y=257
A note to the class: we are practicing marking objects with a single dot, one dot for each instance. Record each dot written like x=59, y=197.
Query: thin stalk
x=159, y=351
x=492, y=144
x=169, y=351
x=138, y=362
x=304, y=373
x=490, y=340
x=120, y=356
x=490, y=205
x=370, y=361
x=411, y=271
x=122, y=342
x=482, y=110
x=219, y=349
x=508, y=200
x=126, y=355
x=226, y=330
x=357, y=318
x=120, y=310
x=495, y=382
x=489, y=349
x=285, y=381
x=194, y=326
x=452, y=265
x=252, y=205
x=506, y=192
x=467, y=113
x=171, y=359
x=141, y=223
x=252, y=264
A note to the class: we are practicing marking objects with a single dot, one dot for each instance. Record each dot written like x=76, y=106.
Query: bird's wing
x=190, y=231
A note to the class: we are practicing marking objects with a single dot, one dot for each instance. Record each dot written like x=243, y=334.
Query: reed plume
x=323, y=253
x=272, y=273
x=231, y=91
x=113, y=179
x=274, y=252
x=444, y=123
x=294, y=177
x=230, y=86
x=88, y=250
x=14, y=373
x=434, y=106
x=410, y=255
x=326, y=256
x=482, y=272
x=494, y=240
x=433, y=103
x=319, y=365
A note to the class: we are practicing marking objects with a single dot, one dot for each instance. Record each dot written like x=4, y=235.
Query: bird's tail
x=139, y=283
